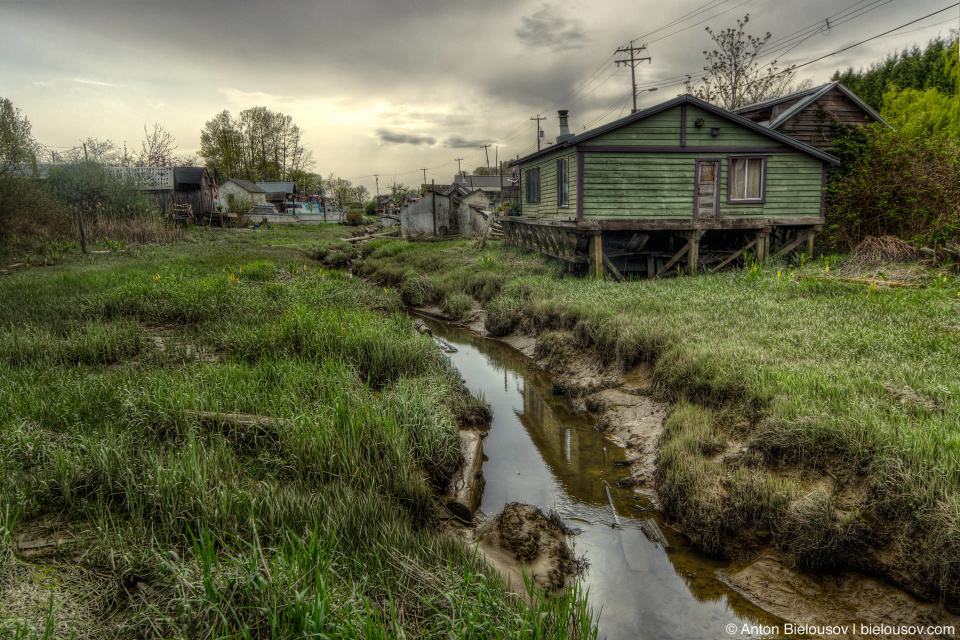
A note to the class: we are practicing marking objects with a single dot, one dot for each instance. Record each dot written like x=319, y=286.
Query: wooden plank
x=733, y=255
x=613, y=270
x=801, y=238
x=675, y=259
x=637, y=242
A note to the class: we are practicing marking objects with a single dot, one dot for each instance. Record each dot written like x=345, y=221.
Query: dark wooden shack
x=811, y=116
x=192, y=187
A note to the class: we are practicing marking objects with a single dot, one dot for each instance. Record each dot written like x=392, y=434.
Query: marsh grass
x=825, y=376
x=319, y=523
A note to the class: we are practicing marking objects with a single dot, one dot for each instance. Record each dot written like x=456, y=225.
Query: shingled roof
x=246, y=184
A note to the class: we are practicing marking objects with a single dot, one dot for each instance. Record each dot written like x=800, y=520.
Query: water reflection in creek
x=540, y=452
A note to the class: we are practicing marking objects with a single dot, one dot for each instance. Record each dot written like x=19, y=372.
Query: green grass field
x=122, y=516
x=818, y=416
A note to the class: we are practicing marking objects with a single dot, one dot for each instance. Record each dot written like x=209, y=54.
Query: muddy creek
x=540, y=452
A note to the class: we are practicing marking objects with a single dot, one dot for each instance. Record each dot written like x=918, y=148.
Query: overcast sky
x=390, y=86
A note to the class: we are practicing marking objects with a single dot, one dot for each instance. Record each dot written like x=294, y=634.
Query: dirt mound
x=524, y=540
x=886, y=249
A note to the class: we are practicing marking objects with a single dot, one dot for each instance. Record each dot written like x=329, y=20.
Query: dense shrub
x=98, y=194
x=890, y=182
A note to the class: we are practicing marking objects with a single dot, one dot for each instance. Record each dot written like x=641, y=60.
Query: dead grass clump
x=145, y=230
x=885, y=249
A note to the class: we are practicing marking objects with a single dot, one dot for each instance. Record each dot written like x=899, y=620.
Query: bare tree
x=734, y=78
x=103, y=152
x=157, y=148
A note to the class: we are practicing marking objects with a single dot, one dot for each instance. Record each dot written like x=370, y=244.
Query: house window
x=563, y=182
x=745, y=181
x=532, y=178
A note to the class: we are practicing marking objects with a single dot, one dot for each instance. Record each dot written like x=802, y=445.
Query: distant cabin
x=190, y=188
x=683, y=170
x=242, y=189
x=810, y=116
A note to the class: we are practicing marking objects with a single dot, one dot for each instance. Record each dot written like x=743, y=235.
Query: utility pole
x=632, y=61
x=458, y=165
x=424, y=175
x=376, y=177
x=487, y=154
x=538, y=119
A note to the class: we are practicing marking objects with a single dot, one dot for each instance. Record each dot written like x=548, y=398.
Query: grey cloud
x=548, y=29
x=396, y=137
x=459, y=142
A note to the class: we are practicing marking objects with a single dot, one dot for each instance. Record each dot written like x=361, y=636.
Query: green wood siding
x=548, y=186
x=731, y=134
x=661, y=185
x=660, y=129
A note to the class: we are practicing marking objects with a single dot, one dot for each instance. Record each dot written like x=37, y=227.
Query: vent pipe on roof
x=564, y=128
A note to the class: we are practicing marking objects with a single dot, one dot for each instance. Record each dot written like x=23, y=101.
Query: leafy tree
x=399, y=192
x=18, y=151
x=260, y=145
x=221, y=146
x=360, y=193
x=17, y=146
x=914, y=68
x=492, y=171
x=340, y=189
x=735, y=77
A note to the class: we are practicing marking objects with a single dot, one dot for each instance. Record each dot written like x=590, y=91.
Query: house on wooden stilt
x=682, y=185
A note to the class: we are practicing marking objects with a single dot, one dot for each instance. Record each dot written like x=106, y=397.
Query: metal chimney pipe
x=564, y=129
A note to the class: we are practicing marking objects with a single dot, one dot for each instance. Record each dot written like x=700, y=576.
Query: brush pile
x=886, y=249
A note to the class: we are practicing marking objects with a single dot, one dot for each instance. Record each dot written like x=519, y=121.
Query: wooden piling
x=596, y=256
x=693, y=255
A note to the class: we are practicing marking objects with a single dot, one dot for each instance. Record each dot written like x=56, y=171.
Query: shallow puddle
x=540, y=452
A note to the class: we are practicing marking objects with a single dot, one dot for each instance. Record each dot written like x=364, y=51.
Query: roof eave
x=640, y=115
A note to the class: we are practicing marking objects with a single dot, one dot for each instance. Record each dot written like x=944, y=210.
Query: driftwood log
x=371, y=236
x=462, y=498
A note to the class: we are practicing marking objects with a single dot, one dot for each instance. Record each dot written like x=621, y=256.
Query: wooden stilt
x=693, y=254
x=651, y=271
x=763, y=245
x=596, y=256
x=810, y=237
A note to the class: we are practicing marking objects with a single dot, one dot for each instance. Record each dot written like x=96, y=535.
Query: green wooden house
x=682, y=183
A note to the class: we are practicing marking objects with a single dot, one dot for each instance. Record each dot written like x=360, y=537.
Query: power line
x=857, y=44
x=632, y=60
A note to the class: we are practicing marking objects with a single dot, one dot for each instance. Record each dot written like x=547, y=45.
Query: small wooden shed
x=192, y=187
x=620, y=196
x=811, y=116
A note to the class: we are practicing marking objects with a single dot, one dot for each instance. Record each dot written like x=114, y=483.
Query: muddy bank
x=522, y=540
x=629, y=413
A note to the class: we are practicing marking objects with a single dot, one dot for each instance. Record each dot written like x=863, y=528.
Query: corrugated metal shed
x=278, y=187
